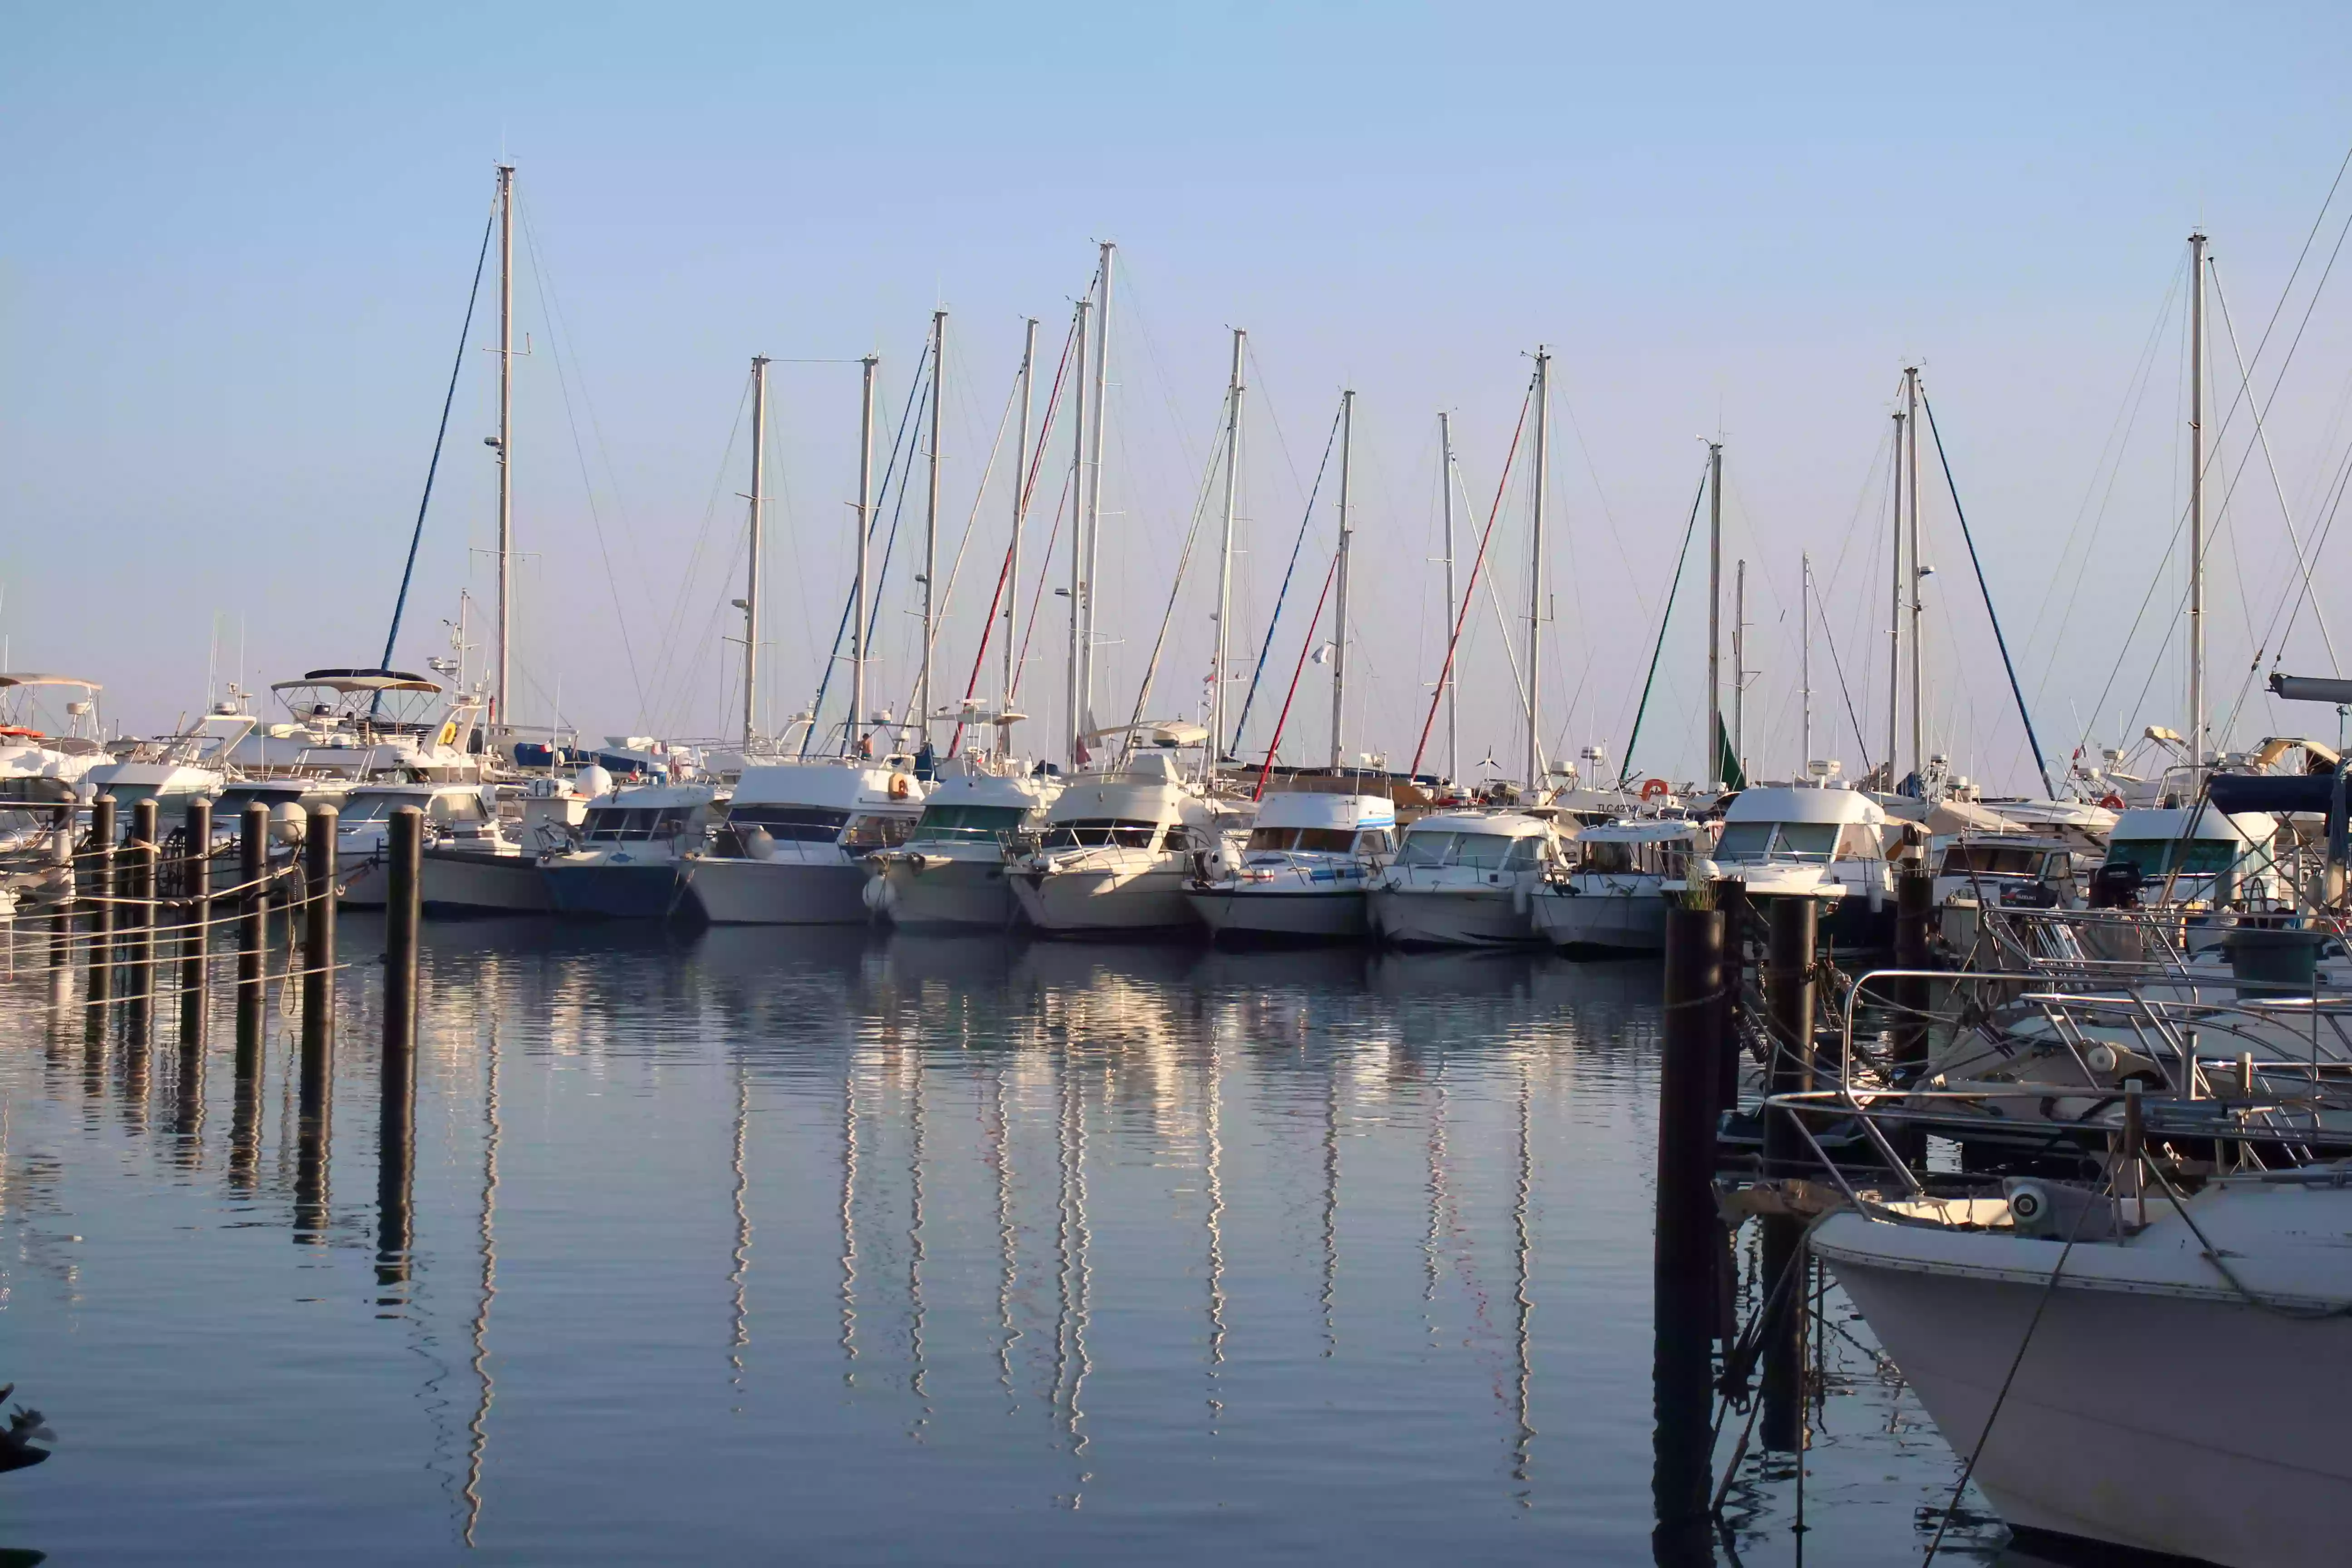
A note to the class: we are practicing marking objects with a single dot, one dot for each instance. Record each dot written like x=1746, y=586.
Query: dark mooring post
x=318, y=953
x=1788, y=994
x=396, y=1138
x=102, y=889
x=138, y=919
x=195, y=887
x=1732, y=897
x=252, y=989
x=1915, y=905
x=1684, y=1287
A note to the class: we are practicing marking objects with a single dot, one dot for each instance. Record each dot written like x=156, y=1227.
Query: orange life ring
x=1652, y=789
x=2112, y=801
x=20, y=730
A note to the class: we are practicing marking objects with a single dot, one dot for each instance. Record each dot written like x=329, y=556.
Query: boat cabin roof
x=350, y=681
x=1668, y=831
x=835, y=784
x=1024, y=791
x=1306, y=808
x=1501, y=824
x=30, y=678
x=2141, y=824
x=1791, y=802
x=646, y=797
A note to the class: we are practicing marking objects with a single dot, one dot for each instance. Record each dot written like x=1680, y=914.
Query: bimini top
x=1307, y=808
x=28, y=678
x=361, y=680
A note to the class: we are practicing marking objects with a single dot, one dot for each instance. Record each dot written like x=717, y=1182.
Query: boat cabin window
x=2157, y=857
x=1375, y=841
x=456, y=808
x=1478, y=851
x=1521, y=856
x=1093, y=832
x=371, y=808
x=804, y=824
x=879, y=831
x=1609, y=857
x=981, y=823
x=607, y=823
x=1326, y=840
x=1991, y=861
x=1743, y=841
x=1792, y=840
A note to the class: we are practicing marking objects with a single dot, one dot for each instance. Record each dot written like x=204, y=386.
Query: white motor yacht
x=364, y=828
x=364, y=722
x=794, y=849
x=626, y=862
x=169, y=770
x=492, y=867
x=1611, y=896
x=49, y=730
x=1819, y=840
x=1465, y=879
x=953, y=869
x=1302, y=874
x=1119, y=847
x=2171, y=1386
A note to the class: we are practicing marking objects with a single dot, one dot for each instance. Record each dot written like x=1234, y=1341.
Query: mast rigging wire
x=1267, y=647
x=417, y=535
x=1665, y=618
x=2025, y=715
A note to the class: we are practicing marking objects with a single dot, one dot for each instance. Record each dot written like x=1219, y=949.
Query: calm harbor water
x=758, y=1244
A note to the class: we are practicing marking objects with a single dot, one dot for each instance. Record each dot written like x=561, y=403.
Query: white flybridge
x=1465, y=879
x=794, y=848
x=1302, y=875
x=1120, y=845
x=952, y=870
x=49, y=730
x=356, y=723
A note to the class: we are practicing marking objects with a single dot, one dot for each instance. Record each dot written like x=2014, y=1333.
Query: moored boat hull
x=1633, y=922
x=941, y=893
x=458, y=882
x=1450, y=917
x=781, y=891
x=1087, y=900
x=644, y=890
x=1251, y=914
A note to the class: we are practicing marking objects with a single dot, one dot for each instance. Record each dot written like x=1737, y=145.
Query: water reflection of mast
x=915, y=1238
x=1071, y=1364
x=848, y=1216
x=1437, y=1198
x=1215, y=1120
x=1525, y=1307
x=478, y=1427
x=742, y=1253
x=1330, y=1201
x=1001, y=1154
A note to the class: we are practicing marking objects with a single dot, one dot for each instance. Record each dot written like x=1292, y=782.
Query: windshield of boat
x=1789, y=840
x=2156, y=858
x=805, y=823
x=1608, y=858
x=371, y=807
x=1478, y=851
x=880, y=832
x=970, y=824
x=1092, y=832
x=1324, y=840
x=1992, y=859
x=610, y=823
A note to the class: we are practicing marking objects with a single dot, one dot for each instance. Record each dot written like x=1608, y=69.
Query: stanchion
x=1788, y=994
x=396, y=1132
x=1684, y=1287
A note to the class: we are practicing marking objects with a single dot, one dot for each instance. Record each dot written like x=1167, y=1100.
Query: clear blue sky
x=237, y=241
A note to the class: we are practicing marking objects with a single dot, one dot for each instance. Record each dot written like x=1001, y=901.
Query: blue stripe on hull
x=612, y=892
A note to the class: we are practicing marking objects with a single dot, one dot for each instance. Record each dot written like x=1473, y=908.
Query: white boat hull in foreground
x=2155, y=1406
x=1303, y=914
x=1630, y=919
x=1110, y=890
x=781, y=891
x=1450, y=917
x=467, y=882
x=922, y=892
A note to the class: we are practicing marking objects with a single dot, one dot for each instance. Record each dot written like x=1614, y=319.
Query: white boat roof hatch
x=1310, y=808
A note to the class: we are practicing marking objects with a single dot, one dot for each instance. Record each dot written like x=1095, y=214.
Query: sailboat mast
x=757, y=545
x=1805, y=665
x=1094, y=478
x=1739, y=665
x=864, y=512
x=1339, y=601
x=1715, y=749
x=1452, y=704
x=1535, y=569
x=1078, y=715
x=1217, y=740
x=1919, y=648
x=1895, y=614
x=1013, y=553
x=932, y=525
x=2197, y=501
x=506, y=438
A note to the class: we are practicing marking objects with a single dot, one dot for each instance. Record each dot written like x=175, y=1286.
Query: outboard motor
x=2115, y=885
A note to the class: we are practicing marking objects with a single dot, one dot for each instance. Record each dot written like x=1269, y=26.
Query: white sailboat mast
x=1739, y=665
x=1217, y=672
x=1805, y=665
x=1339, y=599
x=756, y=545
x=1918, y=647
x=506, y=440
x=1535, y=569
x=932, y=525
x=1094, y=486
x=865, y=512
x=1714, y=748
x=1452, y=704
x=1013, y=553
x=1077, y=718
x=2196, y=747
x=1895, y=614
